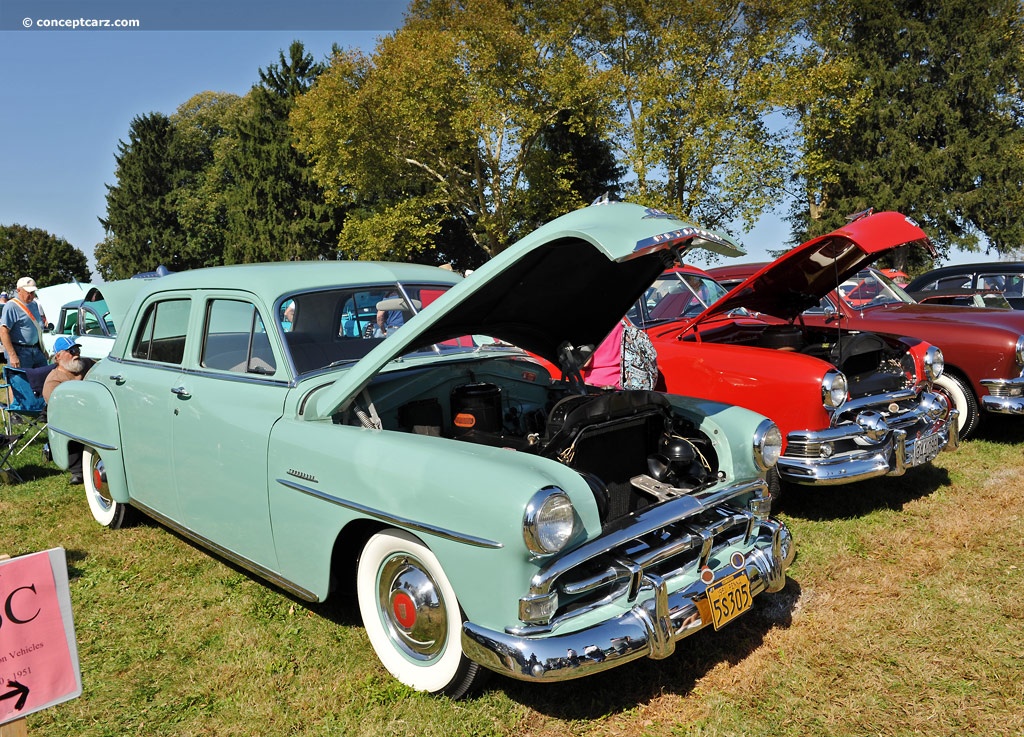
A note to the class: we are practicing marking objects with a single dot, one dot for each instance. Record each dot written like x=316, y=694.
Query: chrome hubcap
x=411, y=608
x=99, y=482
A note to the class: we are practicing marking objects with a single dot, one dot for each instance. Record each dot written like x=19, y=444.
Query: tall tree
x=694, y=82
x=936, y=131
x=198, y=198
x=142, y=228
x=275, y=209
x=442, y=123
x=45, y=257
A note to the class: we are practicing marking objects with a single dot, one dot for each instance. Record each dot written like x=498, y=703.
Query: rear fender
x=84, y=411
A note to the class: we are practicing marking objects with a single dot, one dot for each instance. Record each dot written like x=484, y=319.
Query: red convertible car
x=851, y=405
x=983, y=347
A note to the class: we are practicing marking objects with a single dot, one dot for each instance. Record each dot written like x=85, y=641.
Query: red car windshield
x=676, y=295
x=870, y=288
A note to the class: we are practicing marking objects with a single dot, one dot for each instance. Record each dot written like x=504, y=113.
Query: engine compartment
x=632, y=448
x=872, y=363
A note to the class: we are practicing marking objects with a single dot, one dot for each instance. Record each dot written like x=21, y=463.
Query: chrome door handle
x=181, y=392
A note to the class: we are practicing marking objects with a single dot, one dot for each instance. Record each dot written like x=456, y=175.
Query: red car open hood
x=798, y=279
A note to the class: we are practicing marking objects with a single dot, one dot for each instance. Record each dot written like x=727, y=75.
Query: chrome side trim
x=80, y=439
x=242, y=562
x=393, y=519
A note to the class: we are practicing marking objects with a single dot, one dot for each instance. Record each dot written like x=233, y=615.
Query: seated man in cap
x=70, y=367
x=21, y=327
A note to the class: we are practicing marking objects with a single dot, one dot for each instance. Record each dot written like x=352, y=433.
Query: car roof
x=965, y=269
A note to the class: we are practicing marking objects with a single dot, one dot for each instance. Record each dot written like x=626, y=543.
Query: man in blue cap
x=67, y=354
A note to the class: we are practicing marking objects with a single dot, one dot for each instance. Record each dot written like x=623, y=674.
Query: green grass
x=903, y=616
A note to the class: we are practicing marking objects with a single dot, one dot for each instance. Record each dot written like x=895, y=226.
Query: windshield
x=333, y=327
x=675, y=295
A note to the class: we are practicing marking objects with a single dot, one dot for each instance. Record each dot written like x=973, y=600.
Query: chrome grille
x=669, y=540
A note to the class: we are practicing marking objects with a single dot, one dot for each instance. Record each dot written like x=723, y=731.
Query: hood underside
x=571, y=280
x=798, y=279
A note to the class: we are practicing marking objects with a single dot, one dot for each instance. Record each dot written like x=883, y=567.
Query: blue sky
x=69, y=95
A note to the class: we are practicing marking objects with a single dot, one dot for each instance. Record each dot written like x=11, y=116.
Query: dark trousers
x=75, y=458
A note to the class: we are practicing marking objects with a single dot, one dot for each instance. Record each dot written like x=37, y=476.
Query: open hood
x=798, y=279
x=118, y=295
x=570, y=281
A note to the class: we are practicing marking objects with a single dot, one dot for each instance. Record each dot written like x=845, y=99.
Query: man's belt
x=25, y=345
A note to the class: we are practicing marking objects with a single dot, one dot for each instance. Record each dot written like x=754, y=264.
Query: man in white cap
x=21, y=327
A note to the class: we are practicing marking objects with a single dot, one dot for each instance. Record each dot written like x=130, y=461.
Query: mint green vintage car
x=488, y=517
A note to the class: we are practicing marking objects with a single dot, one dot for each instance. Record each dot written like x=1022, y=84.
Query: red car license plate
x=729, y=598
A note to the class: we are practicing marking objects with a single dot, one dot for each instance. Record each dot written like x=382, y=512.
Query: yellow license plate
x=729, y=598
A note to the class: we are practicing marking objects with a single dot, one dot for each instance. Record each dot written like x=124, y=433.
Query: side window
x=161, y=335
x=953, y=282
x=69, y=321
x=92, y=323
x=1014, y=285
x=235, y=339
x=1009, y=284
x=824, y=306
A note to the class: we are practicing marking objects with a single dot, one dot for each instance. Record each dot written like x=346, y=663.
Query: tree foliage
x=478, y=120
x=935, y=130
x=142, y=229
x=45, y=257
x=693, y=84
x=442, y=123
x=275, y=209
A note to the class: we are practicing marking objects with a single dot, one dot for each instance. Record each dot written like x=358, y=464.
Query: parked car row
x=491, y=512
x=983, y=348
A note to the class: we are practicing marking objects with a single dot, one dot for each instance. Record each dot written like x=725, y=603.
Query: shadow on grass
x=33, y=471
x=846, y=501
x=625, y=687
x=1001, y=429
x=340, y=608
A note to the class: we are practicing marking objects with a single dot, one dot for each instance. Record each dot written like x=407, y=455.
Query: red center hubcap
x=404, y=610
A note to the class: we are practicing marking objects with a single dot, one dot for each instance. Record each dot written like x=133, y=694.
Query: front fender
x=781, y=385
x=84, y=411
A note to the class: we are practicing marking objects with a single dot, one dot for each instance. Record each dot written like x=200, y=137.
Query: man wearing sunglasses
x=70, y=367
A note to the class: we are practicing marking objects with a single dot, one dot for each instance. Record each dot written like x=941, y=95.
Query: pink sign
x=38, y=657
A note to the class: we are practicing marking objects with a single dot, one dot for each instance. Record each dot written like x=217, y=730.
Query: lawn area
x=903, y=616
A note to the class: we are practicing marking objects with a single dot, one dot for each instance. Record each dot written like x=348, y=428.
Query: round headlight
x=549, y=521
x=833, y=389
x=934, y=363
x=1020, y=350
x=767, y=444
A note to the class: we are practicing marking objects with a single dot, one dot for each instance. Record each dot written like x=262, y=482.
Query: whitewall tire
x=412, y=616
x=105, y=510
x=961, y=398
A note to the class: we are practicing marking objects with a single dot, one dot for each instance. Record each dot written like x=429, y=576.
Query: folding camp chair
x=24, y=405
x=7, y=473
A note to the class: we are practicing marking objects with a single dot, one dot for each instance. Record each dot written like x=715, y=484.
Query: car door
x=230, y=399
x=143, y=385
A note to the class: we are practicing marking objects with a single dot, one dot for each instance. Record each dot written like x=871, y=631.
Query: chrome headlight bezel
x=1020, y=351
x=549, y=521
x=934, y=363
x=834, y=389
x=767, y=445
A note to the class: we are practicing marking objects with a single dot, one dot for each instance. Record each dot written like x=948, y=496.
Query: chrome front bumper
x=1006, y=396
x=649, y=629
x=880, y=449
